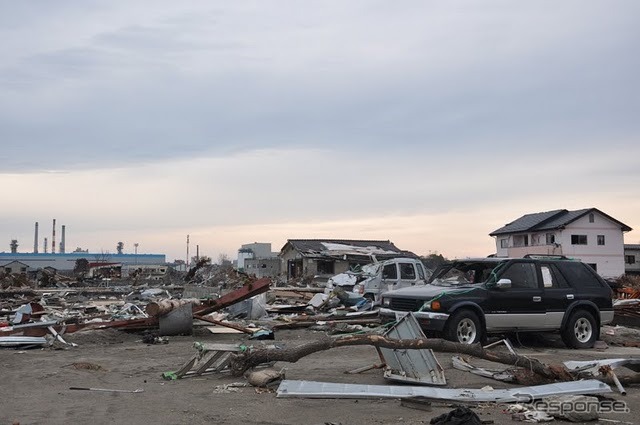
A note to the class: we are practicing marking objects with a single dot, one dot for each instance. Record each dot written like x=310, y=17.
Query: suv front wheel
x=580, y=330
x=463, y=327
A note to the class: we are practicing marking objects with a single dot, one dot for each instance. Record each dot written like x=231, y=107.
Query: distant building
x=632, y=259
x=15, y=267
x=104, y=270
x=146, y=271
x=588, y=234
x=327, y=257
x=256, y=250
x=262, y=267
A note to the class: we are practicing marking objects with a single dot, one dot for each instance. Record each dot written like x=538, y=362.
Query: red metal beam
x=245, y=292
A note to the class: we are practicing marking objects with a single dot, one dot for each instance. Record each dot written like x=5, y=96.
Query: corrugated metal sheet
x=313, y=389
x=411, y=366
x=15, y=341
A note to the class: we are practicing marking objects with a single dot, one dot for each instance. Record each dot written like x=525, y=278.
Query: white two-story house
x=589, y=235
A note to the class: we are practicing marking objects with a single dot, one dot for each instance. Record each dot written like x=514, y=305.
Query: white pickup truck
x=391, y=274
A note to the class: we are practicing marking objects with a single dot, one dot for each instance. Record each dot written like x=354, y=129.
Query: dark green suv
x=465, y=300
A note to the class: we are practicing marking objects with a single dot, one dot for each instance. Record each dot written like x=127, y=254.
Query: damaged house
x=324, y=258
x=15, y=267
x=588, y=234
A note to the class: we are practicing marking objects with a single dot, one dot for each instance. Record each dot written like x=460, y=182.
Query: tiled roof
x=550, y=220
x=527, y=221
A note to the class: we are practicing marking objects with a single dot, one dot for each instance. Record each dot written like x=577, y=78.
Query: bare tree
x=103, y=257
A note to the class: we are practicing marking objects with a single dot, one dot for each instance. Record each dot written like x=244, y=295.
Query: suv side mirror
x=503, y=284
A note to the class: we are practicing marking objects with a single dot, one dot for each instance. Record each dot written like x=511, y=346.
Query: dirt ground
x=35, y=385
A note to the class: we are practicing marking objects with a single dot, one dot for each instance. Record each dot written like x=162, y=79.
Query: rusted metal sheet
x=246, y=291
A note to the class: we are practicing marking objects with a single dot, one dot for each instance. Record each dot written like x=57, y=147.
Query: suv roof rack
x=547, y=256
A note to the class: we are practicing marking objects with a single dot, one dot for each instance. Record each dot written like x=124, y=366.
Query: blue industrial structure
x=67, y=261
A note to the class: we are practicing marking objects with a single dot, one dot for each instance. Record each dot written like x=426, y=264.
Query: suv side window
x=522, y=275
x=407, y=271
x=552, y=278
x=579, y=274
x=421, y=274
x=390, y=272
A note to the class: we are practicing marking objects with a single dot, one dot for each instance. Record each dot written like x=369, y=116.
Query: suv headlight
x=431, y=305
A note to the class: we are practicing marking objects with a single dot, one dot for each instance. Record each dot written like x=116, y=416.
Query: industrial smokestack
x=53, y=238
x=46, y=244
x=35, y=240
x=62, y=242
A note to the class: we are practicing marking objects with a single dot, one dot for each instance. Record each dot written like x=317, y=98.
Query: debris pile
x=626, y=304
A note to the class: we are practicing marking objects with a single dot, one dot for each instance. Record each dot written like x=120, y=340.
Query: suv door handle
x=569, y=296
x=537, y=299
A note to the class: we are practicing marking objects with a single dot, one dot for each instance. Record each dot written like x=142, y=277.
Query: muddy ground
x=35, y=384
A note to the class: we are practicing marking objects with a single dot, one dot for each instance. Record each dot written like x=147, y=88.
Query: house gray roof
x=12, y=262
x=632, y=246
x=328, y=247
x=550, y=220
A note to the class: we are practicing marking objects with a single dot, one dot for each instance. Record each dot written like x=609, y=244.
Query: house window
x=600, y=239
x=578, y=239
x=325, y=267
x=521, y=240
x=504, y=243
x=630, y=259
x=551, y=238
x=592, y=218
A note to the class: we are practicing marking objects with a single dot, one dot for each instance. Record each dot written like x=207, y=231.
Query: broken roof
x=550, y=220
x=336, y=247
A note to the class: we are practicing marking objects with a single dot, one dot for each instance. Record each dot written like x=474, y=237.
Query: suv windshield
x=464, y=273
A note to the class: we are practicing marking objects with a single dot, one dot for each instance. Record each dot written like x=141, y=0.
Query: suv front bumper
x=428, y=320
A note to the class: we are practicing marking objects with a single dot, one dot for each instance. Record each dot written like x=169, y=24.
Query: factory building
x=67, y=261
x=64, y=261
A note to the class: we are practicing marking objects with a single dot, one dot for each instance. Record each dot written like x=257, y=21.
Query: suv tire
x=464, y=327
x=581, y=330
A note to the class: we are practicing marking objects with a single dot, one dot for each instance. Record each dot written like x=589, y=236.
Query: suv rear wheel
x=580, y=330
x=464, y=327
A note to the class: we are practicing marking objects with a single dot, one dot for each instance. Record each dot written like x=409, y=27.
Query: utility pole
x=135, y=249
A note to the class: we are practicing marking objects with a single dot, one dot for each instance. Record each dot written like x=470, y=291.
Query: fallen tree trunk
x=544, y=373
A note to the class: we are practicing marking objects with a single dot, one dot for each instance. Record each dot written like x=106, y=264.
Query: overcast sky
x=429, y=123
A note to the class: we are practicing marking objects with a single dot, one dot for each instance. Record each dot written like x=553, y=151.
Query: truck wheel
x=463, y=327
x=580, y=330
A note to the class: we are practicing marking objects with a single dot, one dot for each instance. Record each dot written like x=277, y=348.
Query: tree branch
x=244, y=361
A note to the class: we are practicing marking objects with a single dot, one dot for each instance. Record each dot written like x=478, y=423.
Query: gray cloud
x=421, y=78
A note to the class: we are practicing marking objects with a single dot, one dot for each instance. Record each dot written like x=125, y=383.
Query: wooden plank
x=212, y=357
x=187, y=367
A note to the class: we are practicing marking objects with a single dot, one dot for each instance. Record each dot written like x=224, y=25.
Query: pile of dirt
x=101, y=336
